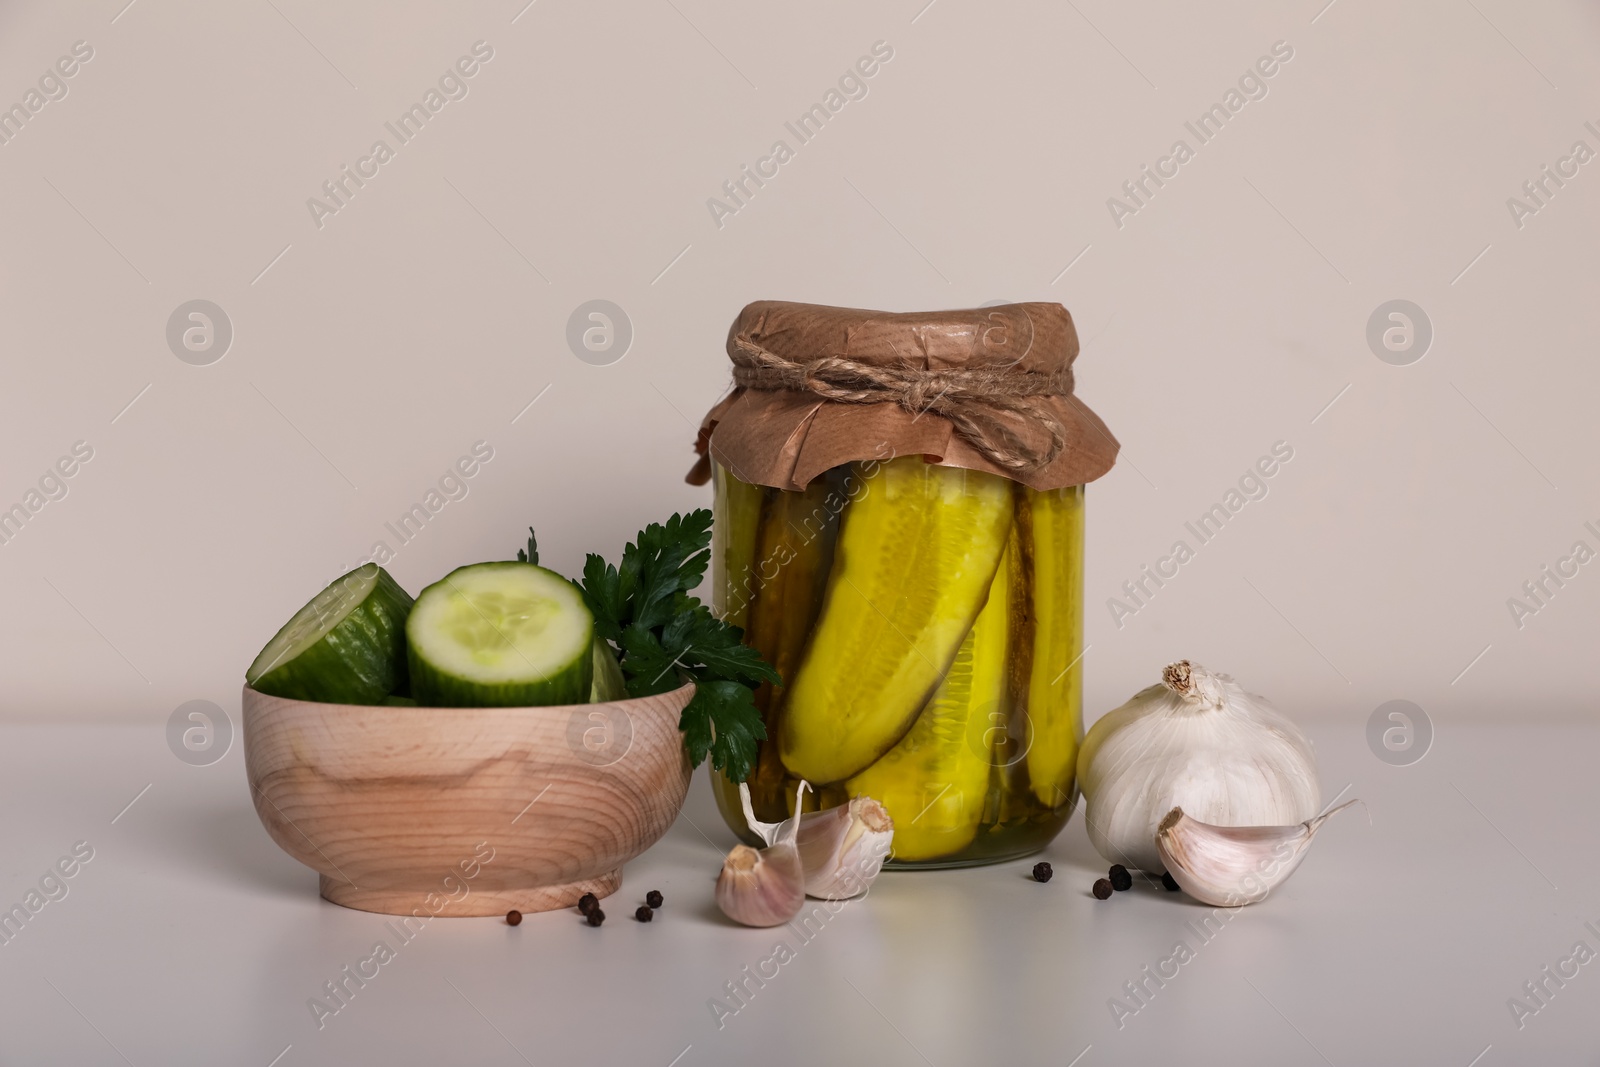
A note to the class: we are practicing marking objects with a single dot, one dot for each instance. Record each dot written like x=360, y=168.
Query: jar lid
x=987, y=389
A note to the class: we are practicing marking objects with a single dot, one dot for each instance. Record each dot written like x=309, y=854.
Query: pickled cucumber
x=1054, y=688
x=737, y=517
x=935, y=780
x=1015, y=799
x=990, y=810
x=794, y=553
x=917, y=552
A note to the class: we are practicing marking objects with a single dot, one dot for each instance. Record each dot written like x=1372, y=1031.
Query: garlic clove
x=764, y=887
x=842, y=849
x=1229, y=866
x=761, y=888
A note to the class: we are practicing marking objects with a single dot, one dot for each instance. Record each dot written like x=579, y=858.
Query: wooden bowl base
x=476, y=902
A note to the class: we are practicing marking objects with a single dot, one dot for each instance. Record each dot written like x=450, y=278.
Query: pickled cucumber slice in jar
x=935, y=780
x=917, y=551
x=1054, y=686
x=794, y=553
x=736, y=519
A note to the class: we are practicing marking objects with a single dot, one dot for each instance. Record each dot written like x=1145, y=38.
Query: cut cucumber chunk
x=608, y=681
x=347, y=646
x=496, y=635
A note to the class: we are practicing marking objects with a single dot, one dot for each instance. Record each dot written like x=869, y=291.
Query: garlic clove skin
x=1196, y=741
x=842, y=849
x=767, y=831
x=1230, y=866
x=761, y=888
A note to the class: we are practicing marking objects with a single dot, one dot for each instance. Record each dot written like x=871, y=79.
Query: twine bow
x=976, y=402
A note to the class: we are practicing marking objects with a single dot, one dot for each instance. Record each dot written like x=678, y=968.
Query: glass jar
x=925, y=616
x=927, y=622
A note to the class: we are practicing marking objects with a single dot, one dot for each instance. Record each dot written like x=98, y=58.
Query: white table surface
x=190, y=939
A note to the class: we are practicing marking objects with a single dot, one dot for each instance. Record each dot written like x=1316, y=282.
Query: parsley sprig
x=663, y=635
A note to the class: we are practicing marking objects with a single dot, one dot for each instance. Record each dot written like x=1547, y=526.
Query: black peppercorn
x=588, y=902
x=1042, y=872
x=1120, y=878
x=596, y=916
x=513, y=917
x=644, y=914
x=1102, y=889
x=1169, y=883
x=654, y=898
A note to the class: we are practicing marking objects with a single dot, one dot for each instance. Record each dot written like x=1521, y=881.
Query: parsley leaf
x=602, y=591
x=532, y=553
x=668, y=559
x=722, y=720
x=719, y=647
x=647, y=664
x=663, y=634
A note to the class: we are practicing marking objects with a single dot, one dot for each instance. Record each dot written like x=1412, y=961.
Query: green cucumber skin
x=360, y=661
x=433, y=688
x=609, y=683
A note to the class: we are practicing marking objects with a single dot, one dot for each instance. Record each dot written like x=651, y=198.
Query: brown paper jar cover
x=785, y=438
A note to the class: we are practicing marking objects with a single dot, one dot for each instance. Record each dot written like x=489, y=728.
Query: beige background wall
x=1225, y=315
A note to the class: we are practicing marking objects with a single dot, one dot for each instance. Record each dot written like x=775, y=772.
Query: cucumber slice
x=935, y=780
x=916, y=555
x=496, y=635
x=399, y=702
x=1055, y=688
x=734, y=532
x=608, y=681
x=797, y=533
x=347, y=646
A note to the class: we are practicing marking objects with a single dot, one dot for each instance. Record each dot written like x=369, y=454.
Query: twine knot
x=977, y=402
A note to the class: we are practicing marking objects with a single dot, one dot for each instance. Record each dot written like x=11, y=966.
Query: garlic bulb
x=1196, y=741
x=841, y=849
x=1232, y=865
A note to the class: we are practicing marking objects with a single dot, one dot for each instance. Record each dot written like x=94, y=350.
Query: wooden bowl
x=465, y=811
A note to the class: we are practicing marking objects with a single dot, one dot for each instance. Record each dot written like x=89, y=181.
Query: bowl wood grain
x=465, y=811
